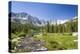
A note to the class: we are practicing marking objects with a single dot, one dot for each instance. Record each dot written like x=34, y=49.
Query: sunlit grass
x=56, y=41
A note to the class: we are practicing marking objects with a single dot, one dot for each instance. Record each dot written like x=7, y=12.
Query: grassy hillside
x=57, y=41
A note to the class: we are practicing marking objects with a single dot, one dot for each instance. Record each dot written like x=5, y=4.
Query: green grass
x=57, y=41
x=53, y=41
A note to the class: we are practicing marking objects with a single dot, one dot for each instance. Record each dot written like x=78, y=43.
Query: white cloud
x=61, y=21
x=75, y=17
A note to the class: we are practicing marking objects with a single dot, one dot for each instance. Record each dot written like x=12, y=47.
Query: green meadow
x=58, y=41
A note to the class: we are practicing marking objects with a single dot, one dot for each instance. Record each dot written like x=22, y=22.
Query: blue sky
x=46, y=11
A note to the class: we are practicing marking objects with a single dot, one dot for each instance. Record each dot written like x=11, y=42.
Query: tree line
x=71, y=26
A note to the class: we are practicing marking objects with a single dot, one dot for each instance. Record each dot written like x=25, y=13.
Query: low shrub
x=22, y=35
